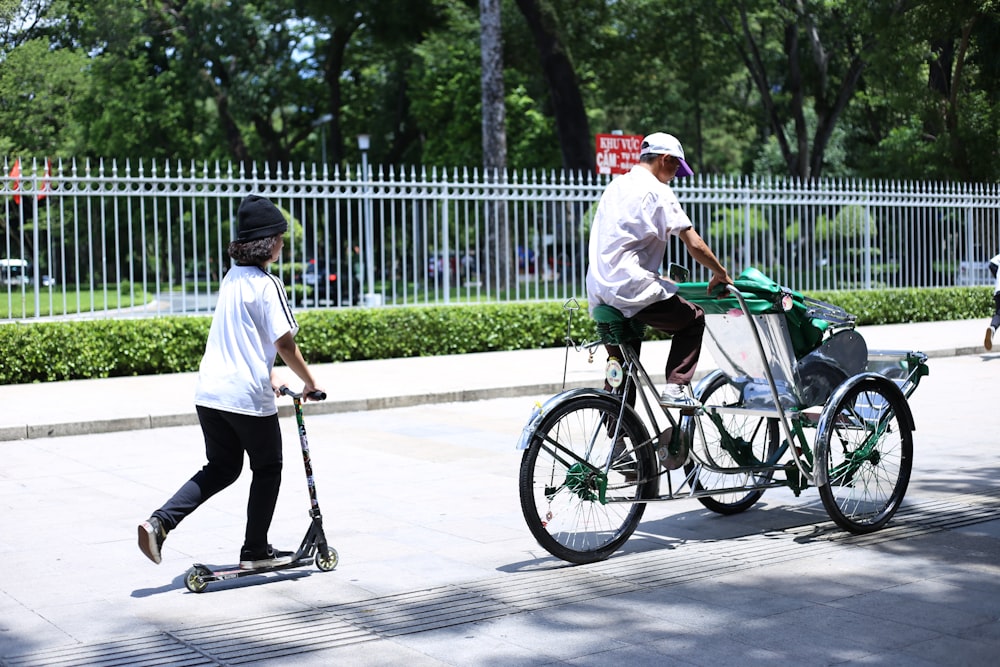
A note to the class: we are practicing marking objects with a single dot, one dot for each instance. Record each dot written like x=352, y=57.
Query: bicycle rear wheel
x=583, y=477
x=866, y=445
x=722, y=459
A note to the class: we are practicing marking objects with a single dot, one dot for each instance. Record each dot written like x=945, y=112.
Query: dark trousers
x=686, y=324
x=995, y=322
x=227, y=436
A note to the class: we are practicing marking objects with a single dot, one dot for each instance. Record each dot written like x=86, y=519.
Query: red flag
x=15, y=173
x=45, y=181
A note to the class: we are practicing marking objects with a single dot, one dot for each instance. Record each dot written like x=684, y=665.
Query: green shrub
x=894, y=306
x=49, y=351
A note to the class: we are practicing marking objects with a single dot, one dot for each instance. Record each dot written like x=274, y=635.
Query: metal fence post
x=867, y=260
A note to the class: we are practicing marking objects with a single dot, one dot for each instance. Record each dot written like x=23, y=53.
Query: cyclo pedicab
x=789, y=367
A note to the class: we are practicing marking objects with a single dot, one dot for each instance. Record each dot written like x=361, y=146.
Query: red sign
x=617, y=153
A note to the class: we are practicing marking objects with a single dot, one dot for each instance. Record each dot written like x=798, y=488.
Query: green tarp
x=762, y=295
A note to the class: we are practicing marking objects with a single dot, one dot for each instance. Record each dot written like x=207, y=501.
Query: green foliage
x=730, y=224
x=531, y=134
x=50, y=351
x=446, y=93
x=769, y=159
x=875, y=89
x=849, y=223
x=363, y=333
x=896, y=306
x=40, y=88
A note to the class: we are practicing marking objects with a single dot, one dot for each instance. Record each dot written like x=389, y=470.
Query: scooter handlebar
x=316, y=395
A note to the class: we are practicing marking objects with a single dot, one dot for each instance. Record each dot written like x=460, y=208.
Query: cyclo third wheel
x=583, y=477
x=730, y=457
x=865, y=442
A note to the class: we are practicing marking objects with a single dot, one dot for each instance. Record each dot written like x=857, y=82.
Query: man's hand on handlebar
x=719, y=281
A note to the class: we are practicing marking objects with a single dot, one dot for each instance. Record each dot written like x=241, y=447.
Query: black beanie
x=259, y=218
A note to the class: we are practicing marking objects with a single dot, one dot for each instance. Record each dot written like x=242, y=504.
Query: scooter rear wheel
x=194, y=580
x=327, y=564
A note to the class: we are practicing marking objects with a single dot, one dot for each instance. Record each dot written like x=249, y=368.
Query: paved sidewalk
x=117, y=404
x=437, y=567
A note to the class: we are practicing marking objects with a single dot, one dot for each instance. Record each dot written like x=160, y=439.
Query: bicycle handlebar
x=313, y=395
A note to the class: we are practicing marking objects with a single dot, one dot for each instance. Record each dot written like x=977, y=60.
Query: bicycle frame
x=792, y=420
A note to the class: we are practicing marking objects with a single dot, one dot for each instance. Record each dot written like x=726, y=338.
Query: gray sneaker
x=678, y=401
x=151, y=537
x=675, y=396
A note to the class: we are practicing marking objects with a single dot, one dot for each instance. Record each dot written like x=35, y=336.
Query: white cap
x=661, y=143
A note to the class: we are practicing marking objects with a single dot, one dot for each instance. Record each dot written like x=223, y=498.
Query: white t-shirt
x=996, y=285
x=635, y=217
x=235, y=372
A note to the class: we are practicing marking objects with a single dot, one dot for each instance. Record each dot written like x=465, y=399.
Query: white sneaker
x=678, y=396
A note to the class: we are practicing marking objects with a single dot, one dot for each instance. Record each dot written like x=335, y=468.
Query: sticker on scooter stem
x=613, y=372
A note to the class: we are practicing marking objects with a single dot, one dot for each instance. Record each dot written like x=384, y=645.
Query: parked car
x=15, y=272
x=331, y=287
x=973, y=273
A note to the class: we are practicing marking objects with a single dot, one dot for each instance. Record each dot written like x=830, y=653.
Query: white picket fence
x=109, y=239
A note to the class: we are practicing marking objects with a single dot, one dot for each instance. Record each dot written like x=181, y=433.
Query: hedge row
x=49, y=351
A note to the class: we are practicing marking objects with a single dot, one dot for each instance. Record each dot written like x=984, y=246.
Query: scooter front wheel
x=195, y=578
x=328, y=563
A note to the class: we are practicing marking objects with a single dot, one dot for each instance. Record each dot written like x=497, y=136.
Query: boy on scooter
x=995, y=322
x=237, y=386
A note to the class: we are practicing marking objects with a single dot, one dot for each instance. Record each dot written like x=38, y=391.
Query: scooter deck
x=200, y=575
x=235, y=571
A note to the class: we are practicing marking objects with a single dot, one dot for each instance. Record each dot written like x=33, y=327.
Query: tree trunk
x=494, y=115
x=498, y=261
x=572, y=125
x=333, y=67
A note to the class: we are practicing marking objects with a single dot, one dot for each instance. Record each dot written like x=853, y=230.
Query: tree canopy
x=805, y=88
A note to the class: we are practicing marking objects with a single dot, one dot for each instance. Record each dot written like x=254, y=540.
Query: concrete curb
x=60, y=429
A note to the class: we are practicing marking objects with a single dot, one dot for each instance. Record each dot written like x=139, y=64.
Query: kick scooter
x=313, y=544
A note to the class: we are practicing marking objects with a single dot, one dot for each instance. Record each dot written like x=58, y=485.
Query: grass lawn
x=56, y=301
x=53, y=301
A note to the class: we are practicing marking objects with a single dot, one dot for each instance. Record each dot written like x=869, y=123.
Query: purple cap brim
x=683, y=170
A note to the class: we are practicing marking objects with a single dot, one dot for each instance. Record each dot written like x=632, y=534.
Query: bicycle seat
x=614, y=328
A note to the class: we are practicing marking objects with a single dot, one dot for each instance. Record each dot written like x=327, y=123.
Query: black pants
x=686, y=323
x=227, y=436
x=995, y=322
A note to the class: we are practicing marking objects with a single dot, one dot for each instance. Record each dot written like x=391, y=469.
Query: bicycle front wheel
x=866, y=445
x=583, y=477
